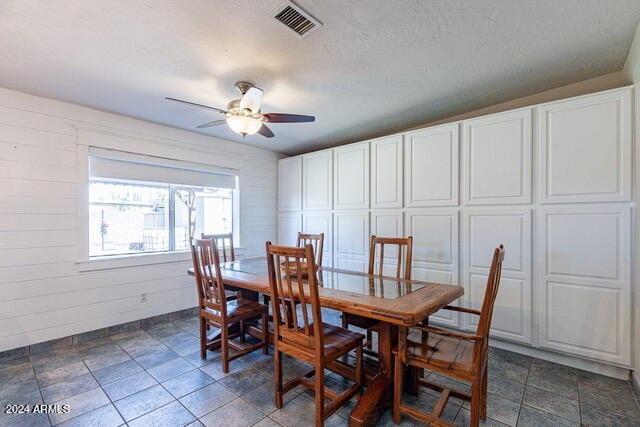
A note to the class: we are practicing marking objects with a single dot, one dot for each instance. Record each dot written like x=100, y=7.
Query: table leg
x=378, y=396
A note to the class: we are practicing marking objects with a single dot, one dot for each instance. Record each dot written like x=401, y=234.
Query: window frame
x=86, y=263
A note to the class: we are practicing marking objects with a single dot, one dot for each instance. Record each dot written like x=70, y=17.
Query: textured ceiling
x=375, y=67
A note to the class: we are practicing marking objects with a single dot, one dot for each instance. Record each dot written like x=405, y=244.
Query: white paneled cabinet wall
x=551, y=182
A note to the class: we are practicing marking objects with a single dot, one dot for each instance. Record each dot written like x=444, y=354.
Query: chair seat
x=337, y=341
x=442, y=353
x=238, y=309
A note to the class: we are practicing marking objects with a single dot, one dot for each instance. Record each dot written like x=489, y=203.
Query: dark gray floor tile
x=51, y=376
x=124, y=327
x=90, y=336
x=510, y=365
x=20, y=390
x=552, y=403
x=207, y=399
x=51, y=345
x=182, y=343
x=173, y=414
x=600, y=381
x=565, y=385
x=117, y=371
x=504, y=387
x=143, y=402
x=195, y=359
x=105, y=416
x=55, y=359
x=533, y=417
x=25, y=420
x=266, y=422
x=152, y=321
x=237, y=413
x=129, y=385
x=464, y=417
x=14, y=354
x=18, y=368
x=101, y=356
x=616, y=397
x=214, y=369
x=170, y=369
x=425, y=402
x=71, y=387
x=300, y=411
x=156, y=356
x=246, y=380
x=163, y=330
x=80, y=404
x=540, y=366
x=596, y=416
x=187, y=383
x=502, y=410
x=263, y=397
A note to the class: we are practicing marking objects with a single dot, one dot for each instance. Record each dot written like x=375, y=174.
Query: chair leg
x=265, y=333
x=476, y=402
x=345, y=323
x=203, y=337
x=397, y=390
x=319, y=392
x=277, y=361
x=359, y=370
x=224, y=345
x=369, y=339
x=242, y=331
x=485, y=380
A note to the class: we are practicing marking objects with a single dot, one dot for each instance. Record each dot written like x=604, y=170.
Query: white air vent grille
x=296, y=19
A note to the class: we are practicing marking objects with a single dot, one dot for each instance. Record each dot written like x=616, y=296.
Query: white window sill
x=136, y=260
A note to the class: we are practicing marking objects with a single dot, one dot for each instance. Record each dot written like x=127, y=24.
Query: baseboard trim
x=64, y=342
x=564, y=359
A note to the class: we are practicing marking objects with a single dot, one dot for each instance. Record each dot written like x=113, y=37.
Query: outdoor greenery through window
x=129, y=217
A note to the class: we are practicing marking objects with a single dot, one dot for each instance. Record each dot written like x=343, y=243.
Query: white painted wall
x=631, y=73
x=44, y=292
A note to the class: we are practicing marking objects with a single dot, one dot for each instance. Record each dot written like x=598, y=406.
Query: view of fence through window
x=127, y=217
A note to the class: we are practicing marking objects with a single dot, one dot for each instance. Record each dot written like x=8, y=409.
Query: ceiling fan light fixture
x=244, y=125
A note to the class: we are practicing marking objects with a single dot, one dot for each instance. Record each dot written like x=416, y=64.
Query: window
x=130, y=214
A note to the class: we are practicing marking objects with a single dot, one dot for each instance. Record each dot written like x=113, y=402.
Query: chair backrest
x=287, y=290
x=206, y=266
x=315, y=240
x=404, y=249
x=223, y=241
x=491, y=292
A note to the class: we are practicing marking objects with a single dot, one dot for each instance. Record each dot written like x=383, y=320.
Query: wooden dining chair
x=223, y=241
x=463, y=356
x=317, y=241
x=404, y=256
x=215, y=310
x=307, y=338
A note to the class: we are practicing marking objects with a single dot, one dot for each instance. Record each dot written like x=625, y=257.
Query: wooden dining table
x=390, y=301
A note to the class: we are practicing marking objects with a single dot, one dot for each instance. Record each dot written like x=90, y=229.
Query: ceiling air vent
x=299, y=21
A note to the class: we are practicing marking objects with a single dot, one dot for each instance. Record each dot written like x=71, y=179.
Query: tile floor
x=155, y=377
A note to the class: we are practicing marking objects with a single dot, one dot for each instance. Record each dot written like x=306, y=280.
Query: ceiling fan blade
x=265, y=131
x=213, y=123
x=197, y=105
x=288, y=118
x=252, y=100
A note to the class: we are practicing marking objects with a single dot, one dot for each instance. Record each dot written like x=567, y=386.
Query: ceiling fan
x=244, y=116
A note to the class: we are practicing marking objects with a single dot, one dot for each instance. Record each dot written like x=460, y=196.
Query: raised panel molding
x=432, y=166
x=585, y=259
x=289, y=224
x=317, y=181
x=290, y=184
x=387, y=172
x=585, y=148
x=316, y=223
x=483, y=230
x=497, y=159
x=351, y=176
x=351, y=237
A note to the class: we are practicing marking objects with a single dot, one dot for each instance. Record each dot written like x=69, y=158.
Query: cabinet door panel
x=289, y=224
x=290, y=184
x=585, y=281
x=497, y=159
x=351, y=176
x=585, y=148
x=316, y=223
x=442, y=317
x=386, y=172
x=483, y=231
x=352, y=234
x=431, y=159
x=317, y=181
